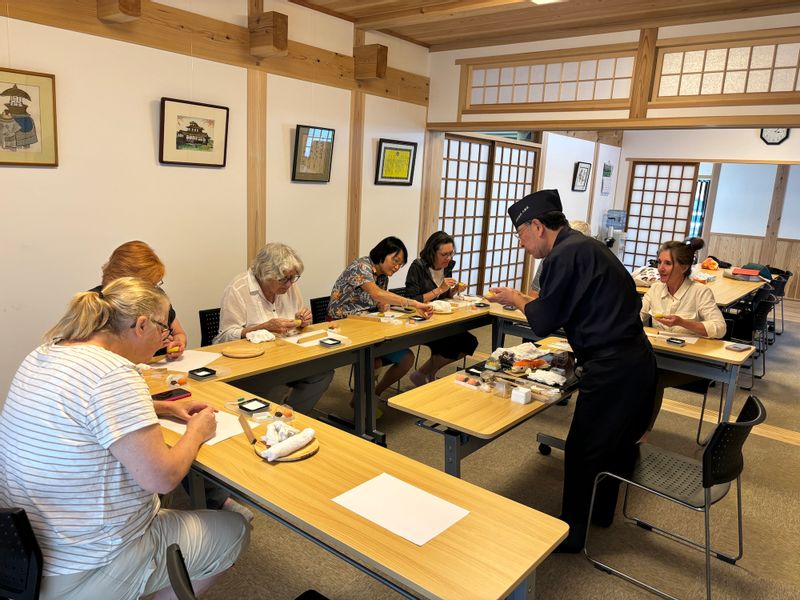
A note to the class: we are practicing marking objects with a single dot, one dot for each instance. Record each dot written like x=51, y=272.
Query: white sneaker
x=232, y=505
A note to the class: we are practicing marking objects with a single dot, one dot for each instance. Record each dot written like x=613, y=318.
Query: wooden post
x=119, y=11
x=370, y=61
x=256, y=162
x=769, y=246
x=643, y=72
x=269, y=34
x=355, y=166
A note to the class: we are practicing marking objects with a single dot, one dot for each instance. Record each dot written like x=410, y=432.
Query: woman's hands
x=304, y=316
x=426, y=310
x=175, y=345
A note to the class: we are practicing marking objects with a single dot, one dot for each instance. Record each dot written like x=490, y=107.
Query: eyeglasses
x=518, y=232
x=163, y=326
x=397, y=260
x=446, y=254
x=287, y=280
x=160, y=284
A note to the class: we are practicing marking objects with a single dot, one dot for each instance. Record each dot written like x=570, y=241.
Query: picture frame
x=580, y=177
x=193, y=133
x=395, y=163
x=313, y=154
x=28, y=132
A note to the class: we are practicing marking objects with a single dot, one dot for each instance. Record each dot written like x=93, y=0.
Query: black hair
x=553, y=220
x=436, y=241
x=387, y=246
x=683, y=252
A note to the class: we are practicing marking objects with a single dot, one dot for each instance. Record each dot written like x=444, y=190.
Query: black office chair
x=750, y=326
x=209, y=325
x=21, y=563
x=182, y=585
x=779, y=281
x=693, y=484
x=319, y=309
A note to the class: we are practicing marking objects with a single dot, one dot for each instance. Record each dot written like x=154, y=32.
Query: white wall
x=402, y=54
x=600, y=203
x=561, y=154
x=391, y=209
x=790, y=220
x=60, y=224
x=743, y=199
x=310, y=217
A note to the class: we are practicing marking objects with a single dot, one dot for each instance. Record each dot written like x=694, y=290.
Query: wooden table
x=491, y=553
x=409, y=334
x=706, y=358
x=283, y=361
x=726, y=291
x=467, y=419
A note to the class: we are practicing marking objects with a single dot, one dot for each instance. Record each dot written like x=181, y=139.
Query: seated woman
x=81, y=451
x=680, y=305
x=137, y=259
x=363, y=286
x=266, y=297
x=429, y=278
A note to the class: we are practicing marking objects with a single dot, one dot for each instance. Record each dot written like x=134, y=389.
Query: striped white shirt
x=66, y=406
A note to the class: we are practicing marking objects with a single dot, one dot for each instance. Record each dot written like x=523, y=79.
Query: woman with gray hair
x=266, y=297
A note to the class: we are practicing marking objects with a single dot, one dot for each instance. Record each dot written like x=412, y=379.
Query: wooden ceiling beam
x=433, y=13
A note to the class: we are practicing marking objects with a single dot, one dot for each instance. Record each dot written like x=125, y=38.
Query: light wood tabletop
x=487, y=554
x=406, y=326
x=482, y=414
x=280, y=353
x=704, y=348
x=726, y=291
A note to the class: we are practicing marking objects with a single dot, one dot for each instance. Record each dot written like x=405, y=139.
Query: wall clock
x=775, y=135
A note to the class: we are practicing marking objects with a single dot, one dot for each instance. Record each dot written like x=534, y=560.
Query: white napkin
x=526, y=351
x=441, y=306
x=547, y=377
x=289, y=445
x=260, y=335
x=279, y=431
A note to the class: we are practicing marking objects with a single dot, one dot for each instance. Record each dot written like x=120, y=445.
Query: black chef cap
x=534, y=205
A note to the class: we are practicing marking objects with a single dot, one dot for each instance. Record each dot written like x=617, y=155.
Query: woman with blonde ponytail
x=82, y=452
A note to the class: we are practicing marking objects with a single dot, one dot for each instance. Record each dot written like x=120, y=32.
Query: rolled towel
x=289, y=445
x=260, y=335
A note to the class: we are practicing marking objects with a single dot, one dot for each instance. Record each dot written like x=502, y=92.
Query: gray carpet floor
x=280, y=564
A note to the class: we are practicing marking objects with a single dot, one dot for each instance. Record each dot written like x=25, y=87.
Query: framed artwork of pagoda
x=28, y=118
x=193, y=133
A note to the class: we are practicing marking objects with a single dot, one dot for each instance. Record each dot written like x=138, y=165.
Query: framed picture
x=193, y=133
x=313, y=153
x=580, y=178
x=27, y=118
x=395, y=164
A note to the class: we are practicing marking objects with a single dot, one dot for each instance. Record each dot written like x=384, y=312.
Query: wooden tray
x=308, y=450
x=243, y=352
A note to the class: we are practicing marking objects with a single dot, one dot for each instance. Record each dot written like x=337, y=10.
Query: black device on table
x=676, y=341
x=329, y=341
x=253, y=405
x=202, y=373
x=175, y=394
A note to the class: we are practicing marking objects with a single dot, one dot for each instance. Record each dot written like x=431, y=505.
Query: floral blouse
x=348, y=296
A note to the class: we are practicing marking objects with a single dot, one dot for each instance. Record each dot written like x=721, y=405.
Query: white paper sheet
x=401, y=508
x=227, y=426
x=298, y=339
x=191, y=359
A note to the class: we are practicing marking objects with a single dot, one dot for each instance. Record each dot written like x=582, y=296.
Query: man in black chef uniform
x=587, y=291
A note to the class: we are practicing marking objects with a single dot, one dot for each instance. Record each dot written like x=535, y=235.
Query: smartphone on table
x=175, y=394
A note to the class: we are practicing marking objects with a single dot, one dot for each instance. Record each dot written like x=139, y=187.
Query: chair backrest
x=21, y=563
x=722, y=458
x=319, y=309
x=209, y=325
x=178, y=575
x=401, y=291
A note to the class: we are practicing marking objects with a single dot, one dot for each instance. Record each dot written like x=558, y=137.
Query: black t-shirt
x=586, y=290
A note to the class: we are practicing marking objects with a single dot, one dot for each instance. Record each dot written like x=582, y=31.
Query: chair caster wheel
x=545, y=449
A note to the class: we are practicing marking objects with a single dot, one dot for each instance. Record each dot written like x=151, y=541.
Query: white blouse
x=243, y=304
x=691, y=301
